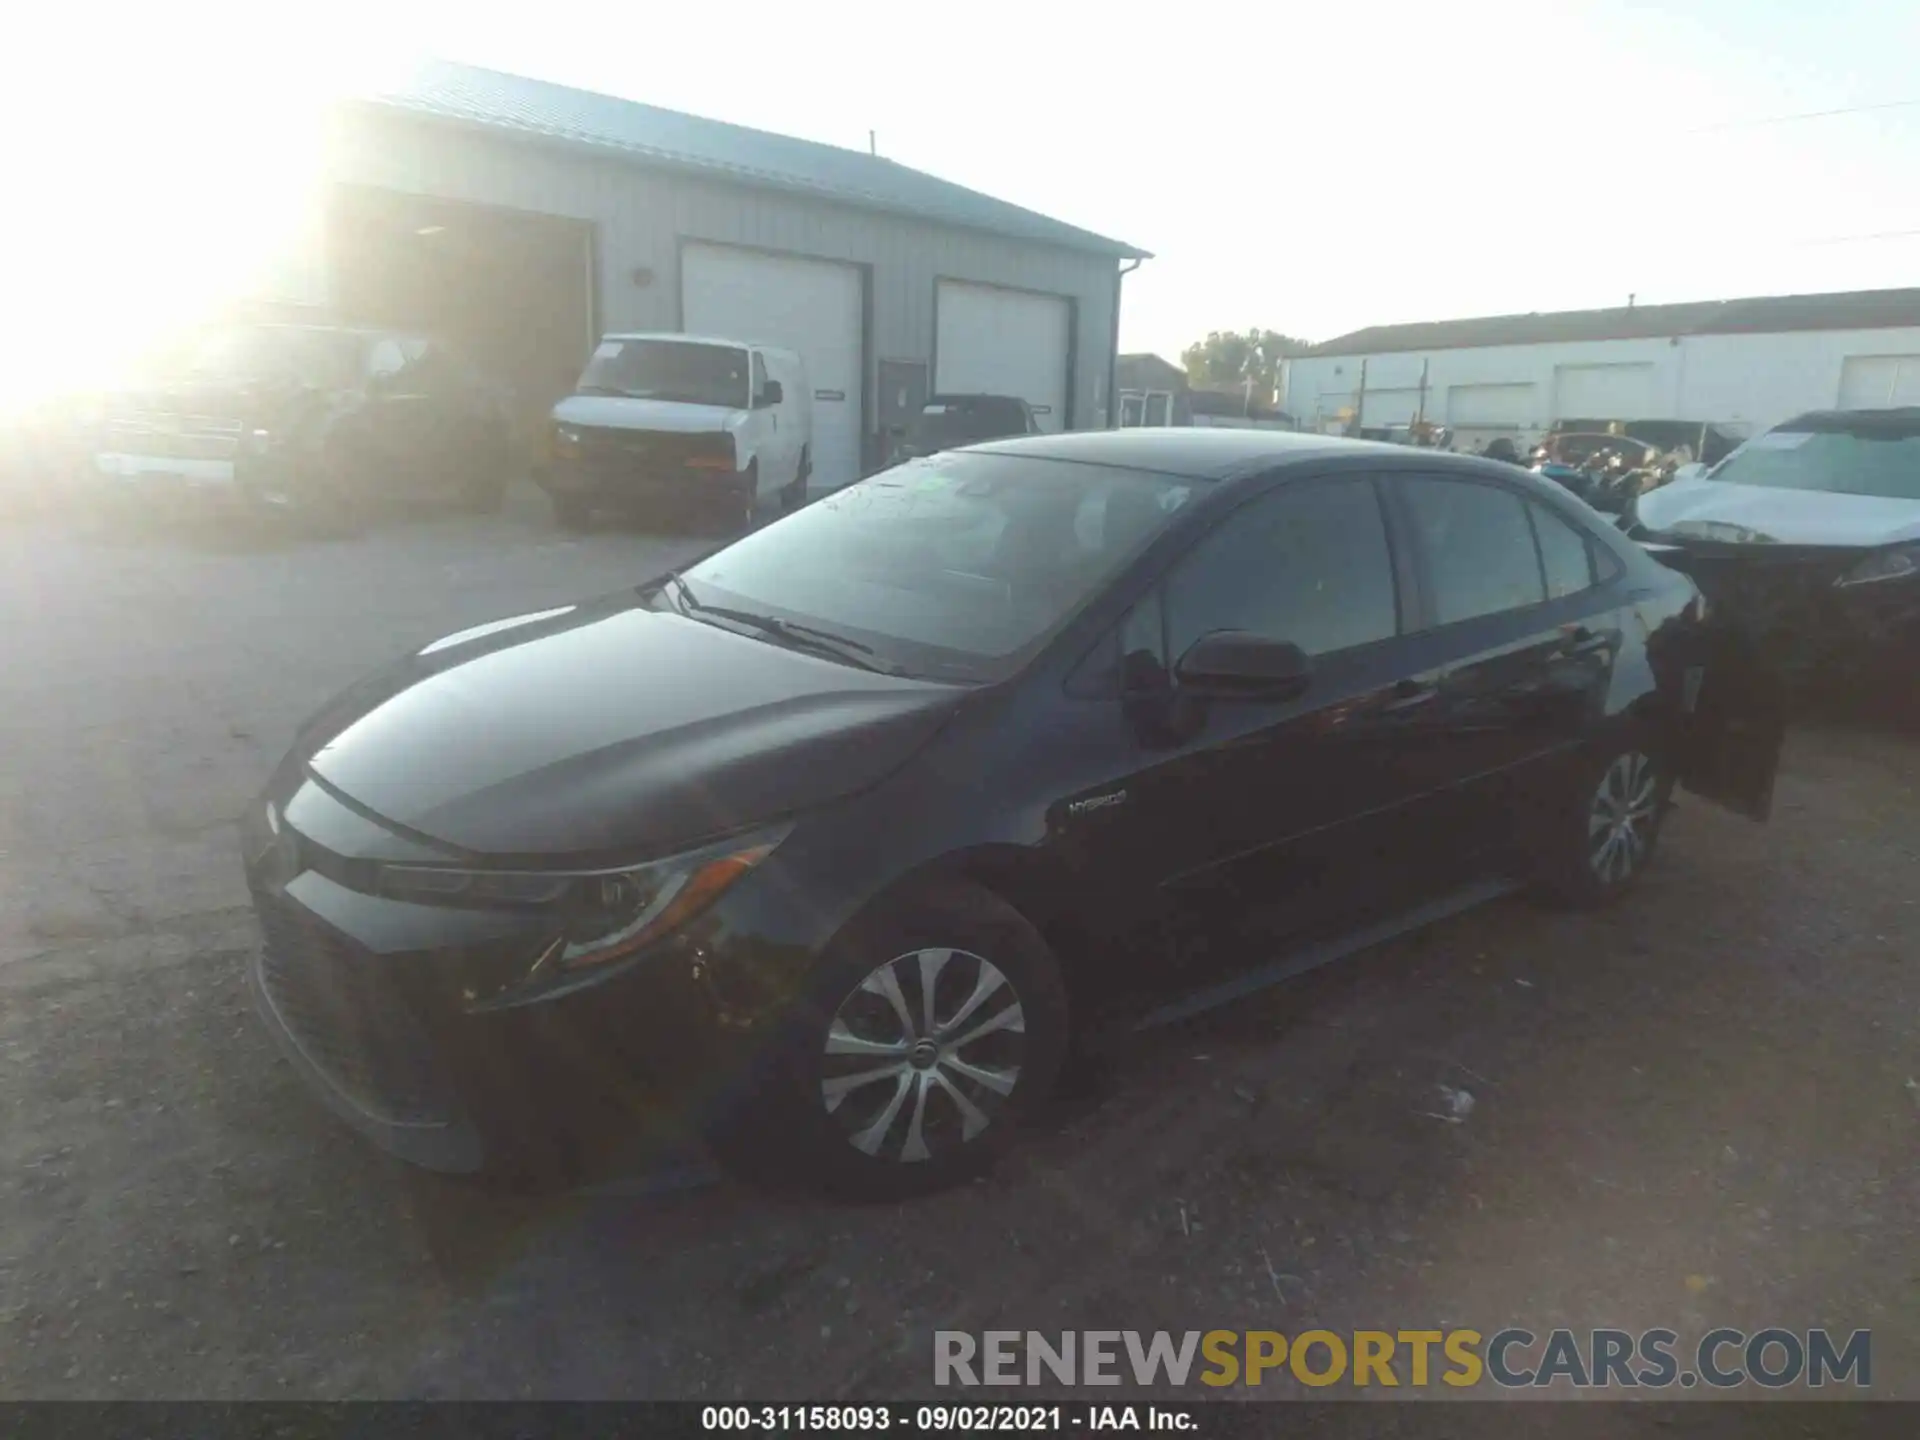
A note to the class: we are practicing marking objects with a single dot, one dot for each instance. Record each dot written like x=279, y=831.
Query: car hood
x=621, y=412
x=612, y=730
x=1716, y=510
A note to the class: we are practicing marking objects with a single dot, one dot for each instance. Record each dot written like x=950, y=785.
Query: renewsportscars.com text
x=1510, y=1358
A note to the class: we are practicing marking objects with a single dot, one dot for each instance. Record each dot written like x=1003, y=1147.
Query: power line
x=1804, y=115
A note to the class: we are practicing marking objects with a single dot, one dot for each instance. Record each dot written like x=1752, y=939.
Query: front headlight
x=564, y=441
x=1895, y=564
x=599, y=915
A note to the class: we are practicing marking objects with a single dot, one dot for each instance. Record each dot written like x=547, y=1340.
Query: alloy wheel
x=923, y=1054
x=1621, y=821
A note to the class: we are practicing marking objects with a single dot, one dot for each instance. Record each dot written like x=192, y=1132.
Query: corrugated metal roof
x=1766, y=314
x=646, y=133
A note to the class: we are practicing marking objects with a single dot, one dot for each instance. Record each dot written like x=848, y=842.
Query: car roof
x=1217, y=453
x=949, y=397
x=1895, y=415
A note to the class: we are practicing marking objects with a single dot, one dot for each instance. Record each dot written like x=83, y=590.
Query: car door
x=1516, y=638
x=397, y=416
x=1243, y=822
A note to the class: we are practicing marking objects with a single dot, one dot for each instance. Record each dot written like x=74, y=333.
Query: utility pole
x=1420, y=411
x=1359, y=401
x=873, y=143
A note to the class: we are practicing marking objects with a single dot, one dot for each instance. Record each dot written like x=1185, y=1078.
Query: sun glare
x=142, y=197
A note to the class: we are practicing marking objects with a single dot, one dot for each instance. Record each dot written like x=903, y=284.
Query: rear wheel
x=931, y=1028
x=1600, y=842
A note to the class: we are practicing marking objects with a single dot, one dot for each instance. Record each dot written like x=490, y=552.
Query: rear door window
x=1566, y=555
x=1475, y=546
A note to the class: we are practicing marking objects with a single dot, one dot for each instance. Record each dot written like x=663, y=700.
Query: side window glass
x=386, y=358
x=1565, y=554
x=759, y=376
x=1309, y=564
x=1477, y=546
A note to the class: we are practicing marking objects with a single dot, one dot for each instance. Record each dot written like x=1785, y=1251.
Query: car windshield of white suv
x=693, y=374
x=1843, y=457
x=954, y=567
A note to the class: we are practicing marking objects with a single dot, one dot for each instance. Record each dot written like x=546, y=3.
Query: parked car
x=947, y=422
x=1808, y=538
x=843, y=835
x=677, y=419
x=327, y=422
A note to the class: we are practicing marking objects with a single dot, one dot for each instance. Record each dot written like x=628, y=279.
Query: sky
x=1309, y=169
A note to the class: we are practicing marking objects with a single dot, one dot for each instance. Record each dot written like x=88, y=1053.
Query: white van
x=655, y=419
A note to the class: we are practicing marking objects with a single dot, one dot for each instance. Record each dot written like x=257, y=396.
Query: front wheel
x=930, y=1029
x=572, y=512
x=1601, y=841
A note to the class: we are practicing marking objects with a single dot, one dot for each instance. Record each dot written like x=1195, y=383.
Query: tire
x=795, y=495
x=1600, y=840
x=858, y=1098
x=329, y=497
x=745, y=516
x=572, y=512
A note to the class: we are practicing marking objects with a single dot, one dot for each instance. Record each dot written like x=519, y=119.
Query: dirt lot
x=1700, y=1109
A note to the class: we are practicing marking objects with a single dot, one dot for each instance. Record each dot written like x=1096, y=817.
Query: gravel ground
x=1701, y=1108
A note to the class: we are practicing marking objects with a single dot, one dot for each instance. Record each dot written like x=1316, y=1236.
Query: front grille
x=650, y=450
x=1761, y=595
x=350, y=1021
x=183, y=437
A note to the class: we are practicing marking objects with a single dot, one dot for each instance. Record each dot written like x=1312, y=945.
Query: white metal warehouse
x=525, y=219
x=1744, y=364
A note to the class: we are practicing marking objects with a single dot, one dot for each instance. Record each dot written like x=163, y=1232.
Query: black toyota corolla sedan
x=841, y=837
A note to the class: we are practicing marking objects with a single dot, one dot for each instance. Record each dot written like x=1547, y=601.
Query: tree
x=1227, y=357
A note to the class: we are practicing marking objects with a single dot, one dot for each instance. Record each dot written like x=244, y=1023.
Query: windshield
x=279, y=352
x=952, y=567
x=945, y=424
x=668, y=370
x=1859, y=457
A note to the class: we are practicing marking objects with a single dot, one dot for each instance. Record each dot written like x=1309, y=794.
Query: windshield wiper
x=591, y=389
x=793, y=632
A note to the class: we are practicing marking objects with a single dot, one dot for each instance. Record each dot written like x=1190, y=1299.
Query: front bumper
x=615, y=485
x=1784, y=602
x=402, y=1020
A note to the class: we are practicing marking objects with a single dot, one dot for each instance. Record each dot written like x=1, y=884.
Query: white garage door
x=809, y=306
x=1873, y=382
x=1389, y=407
x=1503, y=407
x=1603, y=392
x=989, y=341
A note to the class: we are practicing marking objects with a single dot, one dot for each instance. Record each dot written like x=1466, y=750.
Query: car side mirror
x=1239, y=662
x=770, y=395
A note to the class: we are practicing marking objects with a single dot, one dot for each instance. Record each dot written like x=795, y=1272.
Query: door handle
x=1579, y=640
x=1409, y=695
